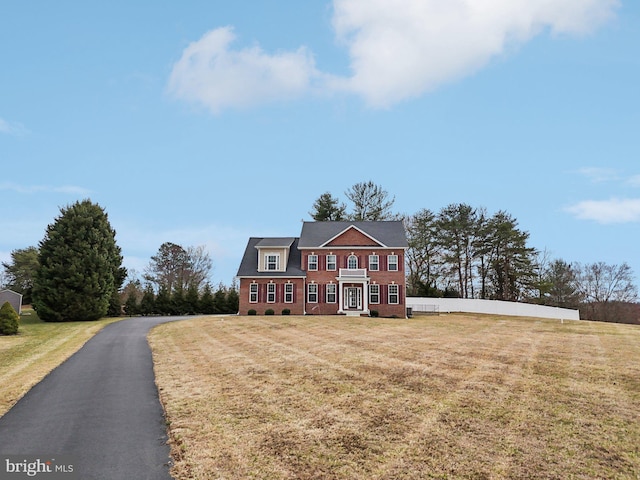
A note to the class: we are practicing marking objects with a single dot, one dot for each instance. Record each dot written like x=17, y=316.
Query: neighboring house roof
x=14, y=298
x=249, y=263
x=387, y=233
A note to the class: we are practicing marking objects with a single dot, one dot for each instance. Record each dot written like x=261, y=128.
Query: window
x=271, y=293
x=288, y=293
x=394, y=293
x=312, y=262
x=312, y=293
x=272, y=261
x=374, y=293
x=392, y=263
x=331, y=262
x=253, y=293
x=331, y=293
x=352, y=262
x=374, y=263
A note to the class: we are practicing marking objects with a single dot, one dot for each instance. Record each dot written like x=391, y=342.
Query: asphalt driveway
x=99, y=411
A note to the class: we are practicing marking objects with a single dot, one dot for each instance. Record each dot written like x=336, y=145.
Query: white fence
x=495, y=307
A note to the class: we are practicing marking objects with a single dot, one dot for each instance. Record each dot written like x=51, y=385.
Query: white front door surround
x=353, y=295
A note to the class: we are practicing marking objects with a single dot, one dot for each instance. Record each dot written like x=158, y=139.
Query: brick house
x=348, y=268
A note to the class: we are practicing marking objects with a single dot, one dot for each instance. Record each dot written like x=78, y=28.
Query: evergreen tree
x=327, y=208
x=192, y=300
x=220, y=300
x=80, y=266
x=163, y=303
x=233, y=300
x=178, y=304
x=21, y=271
x=207, y=304
x=131, y=306
x=148, y=301
x=9, y=320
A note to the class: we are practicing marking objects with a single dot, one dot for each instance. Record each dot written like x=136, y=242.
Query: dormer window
x=272, y=261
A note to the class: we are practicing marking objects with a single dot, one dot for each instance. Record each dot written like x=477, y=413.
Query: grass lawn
x=447, y=397
x=39, y=347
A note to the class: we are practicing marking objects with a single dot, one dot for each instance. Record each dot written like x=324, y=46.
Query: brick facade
x=338, y=268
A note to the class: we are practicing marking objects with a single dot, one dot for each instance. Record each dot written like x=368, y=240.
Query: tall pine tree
x=80, y=266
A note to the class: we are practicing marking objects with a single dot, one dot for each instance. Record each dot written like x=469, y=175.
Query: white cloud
x=29, y=189
x=607, y=211
x=16, y=129
x=404, y=48
x=599, y=174
x=634, y=181
x=211, y=73
x=398, y=49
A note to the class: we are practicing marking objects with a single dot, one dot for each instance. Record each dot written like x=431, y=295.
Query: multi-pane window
x=374, y=263
x=253, y=293
x=331, y=262
x=312, y=262
x=352, y=262
x=271, y=292
x=312, y=293
x=394, y=296
x=288, y=293
x=392, y=263
x=374, y=293
x=272, y=261
x=331, y=293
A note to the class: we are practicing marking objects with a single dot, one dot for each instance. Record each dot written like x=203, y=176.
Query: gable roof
x=390, y=234
x=249, y=264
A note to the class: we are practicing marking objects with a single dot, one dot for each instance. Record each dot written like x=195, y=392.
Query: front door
x=353, y=298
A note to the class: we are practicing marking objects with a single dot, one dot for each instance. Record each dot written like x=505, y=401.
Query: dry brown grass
x=449, y=396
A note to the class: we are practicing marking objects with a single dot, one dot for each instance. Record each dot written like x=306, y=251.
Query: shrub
x=269, y=311
x=374, y=313
x=252, y=312
x=286, y=311
x=9, y=320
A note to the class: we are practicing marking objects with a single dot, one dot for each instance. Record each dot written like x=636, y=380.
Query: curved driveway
x=100, y=408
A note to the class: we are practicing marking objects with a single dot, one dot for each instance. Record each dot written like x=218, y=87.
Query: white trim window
x=271, y=293
x=331, y=293
x=332, y=262
x=312, y=293
x=392, y=263
x=253, y=293
x=288, y=293
x=271, y=261
x=374, y=263
x=312, y=262
x=352, y=262
x=374, y=293
x=394, y=294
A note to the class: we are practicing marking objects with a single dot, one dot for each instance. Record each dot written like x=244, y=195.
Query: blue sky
x=204, y=123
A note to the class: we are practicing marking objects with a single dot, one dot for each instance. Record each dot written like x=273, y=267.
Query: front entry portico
x=353, y=292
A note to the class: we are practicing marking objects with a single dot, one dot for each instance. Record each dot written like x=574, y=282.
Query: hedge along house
x=14, y=298
x=349, y=268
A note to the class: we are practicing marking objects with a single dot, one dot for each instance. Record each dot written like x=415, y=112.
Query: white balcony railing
x=353, y=273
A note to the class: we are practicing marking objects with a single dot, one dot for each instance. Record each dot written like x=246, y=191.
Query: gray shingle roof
x=249, y=263
x=388, y=233
x=280, y=242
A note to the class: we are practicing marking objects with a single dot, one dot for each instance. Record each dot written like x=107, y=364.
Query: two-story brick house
x=333, y=268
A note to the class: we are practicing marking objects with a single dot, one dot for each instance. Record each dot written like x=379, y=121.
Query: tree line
x=463, y=251
x=75, y=273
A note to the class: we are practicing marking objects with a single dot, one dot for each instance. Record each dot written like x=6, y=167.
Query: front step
x=352, y=314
